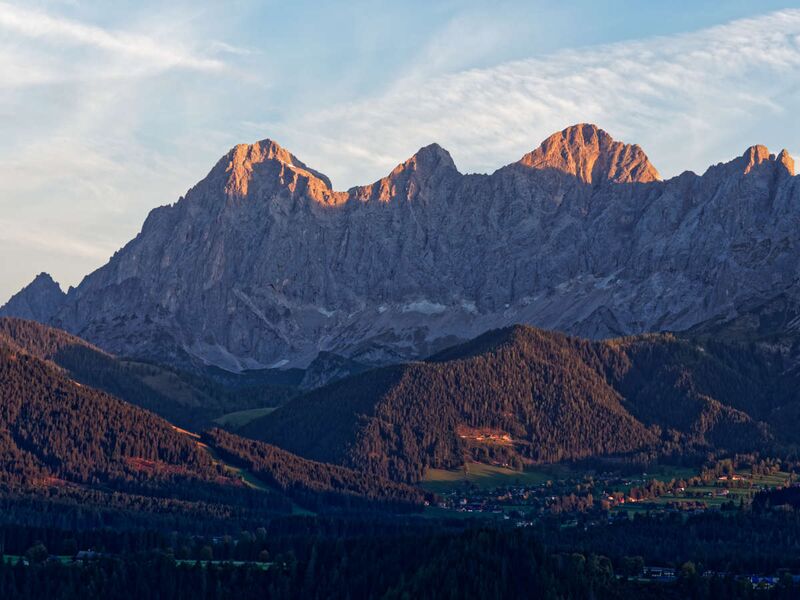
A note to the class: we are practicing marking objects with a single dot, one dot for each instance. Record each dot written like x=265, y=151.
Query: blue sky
x=110, y=109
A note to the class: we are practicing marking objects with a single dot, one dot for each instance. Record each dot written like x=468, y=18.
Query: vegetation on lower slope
x=52, y=426
x=187, y=399
x=723, y=394
x=524, y=396
x=313, y=484
x=398, y=421
x=69, y=442
x=240, y=418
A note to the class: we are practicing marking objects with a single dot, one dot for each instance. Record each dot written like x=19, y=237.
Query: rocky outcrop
x=592, y=156
x=38, y=301
x=327, y=368
x=263, y=264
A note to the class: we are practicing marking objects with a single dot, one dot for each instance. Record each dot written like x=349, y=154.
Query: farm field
x=13, y=559
x=713, y=495
x=68, y=559
x=489, y=476
x=234, y=563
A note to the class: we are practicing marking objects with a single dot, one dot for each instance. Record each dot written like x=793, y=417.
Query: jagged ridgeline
x=520, y=395
x=264, y=264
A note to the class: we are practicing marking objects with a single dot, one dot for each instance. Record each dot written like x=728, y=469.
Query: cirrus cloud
x=688, y=99
x=143, y=49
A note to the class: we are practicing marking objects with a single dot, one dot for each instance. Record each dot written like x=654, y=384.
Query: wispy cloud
x=43, y=238
x=688, y=99
x=108, y=113
x=40, y=25
x=225, y=48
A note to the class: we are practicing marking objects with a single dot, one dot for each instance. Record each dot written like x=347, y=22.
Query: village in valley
x=570, y=490
x=564, y=497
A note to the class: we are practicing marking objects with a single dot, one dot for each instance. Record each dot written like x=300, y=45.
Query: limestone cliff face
x=263, y=264
x=592, y=156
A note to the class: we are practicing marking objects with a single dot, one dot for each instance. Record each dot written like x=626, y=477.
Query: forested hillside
x=721, y=394
x=314, y=484
x=522, y=395
x=53, y=427
x=62, y=443
x=190, y=400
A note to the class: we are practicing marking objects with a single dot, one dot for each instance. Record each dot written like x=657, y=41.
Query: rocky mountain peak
x=785, y=159
x=425, y=163
x=431, y=157
x=593, y=156
x=245, y=162
x=426, y=168
x=38, y=301
x=754, y=156
x=758, y=159
x=263, y=265
x=45, y=279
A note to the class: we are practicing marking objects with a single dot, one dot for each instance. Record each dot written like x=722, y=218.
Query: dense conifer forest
x=314, y=484
x=521, y=396
x=322, y=558
x=191, y=400
x=52, y=426
x=78, y=447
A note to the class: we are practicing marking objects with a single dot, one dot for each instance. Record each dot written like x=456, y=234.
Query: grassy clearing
x=774, y=480
x=434, y=512
x=668, y=473
x=486, y=477
x=709, y=494
x=67, y=560
x=665, y=473
x=246, y=476
x=167, y=383
x=241, y=418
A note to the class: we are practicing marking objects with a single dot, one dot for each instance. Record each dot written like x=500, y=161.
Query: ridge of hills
x=189, y=399
x=521, y=396
x=513, y=397
x=65, y=440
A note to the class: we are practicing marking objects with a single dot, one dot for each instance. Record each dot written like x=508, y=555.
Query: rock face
x=328, y=368
x=38, y=301
x=592, y=156
x=263, y=264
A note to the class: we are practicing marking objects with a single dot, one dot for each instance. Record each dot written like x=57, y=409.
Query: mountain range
x=263, y=264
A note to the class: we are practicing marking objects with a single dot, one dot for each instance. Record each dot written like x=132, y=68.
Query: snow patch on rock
x=425, y=307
